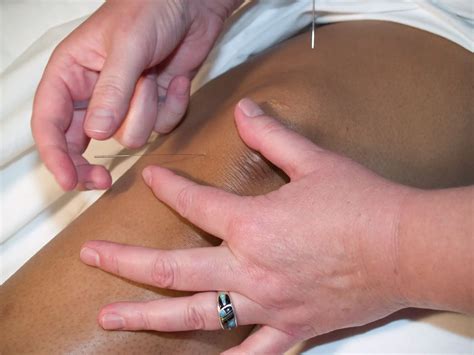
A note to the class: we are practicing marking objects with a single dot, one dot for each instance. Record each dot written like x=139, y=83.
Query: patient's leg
x=394, y=98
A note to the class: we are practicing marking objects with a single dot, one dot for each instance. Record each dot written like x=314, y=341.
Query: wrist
x=434, y=246
x=379, y=251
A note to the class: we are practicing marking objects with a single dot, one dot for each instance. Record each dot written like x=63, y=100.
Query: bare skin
x=359, y=94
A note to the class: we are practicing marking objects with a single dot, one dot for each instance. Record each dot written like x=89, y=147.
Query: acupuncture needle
x=314, y=24
x=112, y=156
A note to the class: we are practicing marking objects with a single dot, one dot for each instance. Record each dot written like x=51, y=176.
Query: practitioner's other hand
x=132, y=61
x=316, y=255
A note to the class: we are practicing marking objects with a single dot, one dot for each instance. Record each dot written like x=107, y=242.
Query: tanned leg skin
x=396, y=99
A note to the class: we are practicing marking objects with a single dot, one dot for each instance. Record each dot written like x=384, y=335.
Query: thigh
x=396, y=99
x=393, y=98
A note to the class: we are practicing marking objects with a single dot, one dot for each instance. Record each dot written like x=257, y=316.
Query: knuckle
x=193, y=318
x=237, y=226
x=64, y=45
x=163, y=81
x=75, y=148
x=163, y=272
x=272, y=127
x=269, y=130
x=184, y=201
x=247, y=223
x=114, y=264
x=145, y=320
x=109, y=90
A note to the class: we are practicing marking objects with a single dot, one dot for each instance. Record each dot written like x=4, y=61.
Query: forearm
x=436, y=249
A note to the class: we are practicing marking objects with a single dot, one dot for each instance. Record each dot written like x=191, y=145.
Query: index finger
x=209, y=208
x=185, y=269
x=52, y=114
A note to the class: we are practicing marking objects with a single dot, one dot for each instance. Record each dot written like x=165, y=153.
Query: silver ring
x=226, y=311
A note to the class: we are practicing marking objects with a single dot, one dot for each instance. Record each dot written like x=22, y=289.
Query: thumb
x=112, y=93
x=288, y=150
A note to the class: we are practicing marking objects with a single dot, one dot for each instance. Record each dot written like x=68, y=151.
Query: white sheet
x=34, y=209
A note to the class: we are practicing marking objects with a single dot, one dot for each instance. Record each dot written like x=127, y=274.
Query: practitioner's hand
x=132, y=61
x=316, y=255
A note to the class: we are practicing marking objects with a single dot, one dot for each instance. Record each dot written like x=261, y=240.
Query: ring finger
x=178, y=314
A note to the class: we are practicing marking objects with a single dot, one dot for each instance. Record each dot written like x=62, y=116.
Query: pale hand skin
x=133, y=62
x=323, y=252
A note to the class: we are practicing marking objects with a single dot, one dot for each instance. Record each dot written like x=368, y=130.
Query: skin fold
x=393, y=98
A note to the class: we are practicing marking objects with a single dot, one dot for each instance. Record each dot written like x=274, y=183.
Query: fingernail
x=90, y=256
x=250, y=108
x=147, y=176
x=100, y=120
x=112, y=321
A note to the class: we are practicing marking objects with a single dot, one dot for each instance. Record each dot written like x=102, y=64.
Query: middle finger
x=141, y=116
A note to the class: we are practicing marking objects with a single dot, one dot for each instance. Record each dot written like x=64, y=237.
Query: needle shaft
x=112, y=156
x=314, y=24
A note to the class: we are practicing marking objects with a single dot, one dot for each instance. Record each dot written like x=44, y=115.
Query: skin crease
x=53, y=301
